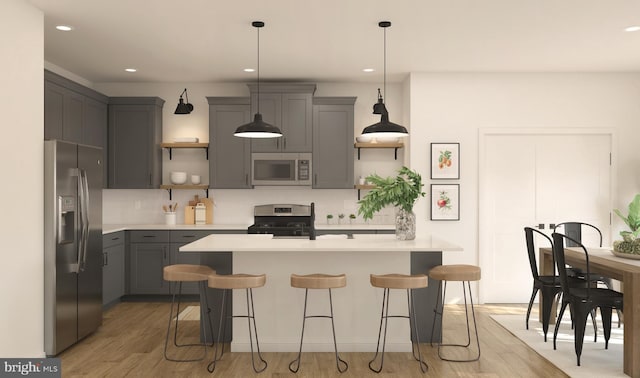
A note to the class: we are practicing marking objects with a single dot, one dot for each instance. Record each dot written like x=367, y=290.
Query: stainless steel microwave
x=281, y=168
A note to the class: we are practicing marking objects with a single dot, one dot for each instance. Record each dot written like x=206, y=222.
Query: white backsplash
x=232, y=206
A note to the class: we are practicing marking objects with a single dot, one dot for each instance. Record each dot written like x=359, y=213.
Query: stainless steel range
x=284, y=220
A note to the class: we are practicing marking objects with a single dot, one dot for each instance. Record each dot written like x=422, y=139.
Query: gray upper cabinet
x=288, y=106
x=333, y=142
x=135, y=135
x=75, y=113
x=230, y=156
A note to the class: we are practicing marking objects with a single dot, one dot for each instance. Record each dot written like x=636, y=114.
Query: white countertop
x=109, y=228
x=366, y=243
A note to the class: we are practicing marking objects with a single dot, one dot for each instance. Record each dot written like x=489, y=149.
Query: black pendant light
x=184, y=108
x=258, y=128
x=384, y=128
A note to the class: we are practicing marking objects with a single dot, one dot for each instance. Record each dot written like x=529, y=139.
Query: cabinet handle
x=277, y=143
x=115, y=238
x=105, y=259
x=150, y=180
x=148, y=236
x=315, y=179
x=246, y=179
x=284, y=143
x=188, y=236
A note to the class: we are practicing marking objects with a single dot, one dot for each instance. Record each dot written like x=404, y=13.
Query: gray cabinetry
x=230, y=156
x=148, y=255
x=113, y=263
x=135, y=135
x=333, y=142
x=289, y=107
x=75, y=113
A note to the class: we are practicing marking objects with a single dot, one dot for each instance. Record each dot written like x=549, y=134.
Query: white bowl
x=178, y=178
x=363, y=138
x=386, y=139
x=195, y=179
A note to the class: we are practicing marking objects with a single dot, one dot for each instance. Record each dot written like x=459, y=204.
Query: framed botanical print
x=445, y=161
x=445, y=202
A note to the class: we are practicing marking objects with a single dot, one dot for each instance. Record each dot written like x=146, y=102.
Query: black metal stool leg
x=304, y=318
x=175, y=333
x=383, y=316
x=466, y=308
x=413, y=326
x=335, y=345
x=251, y=316
x=219, y=342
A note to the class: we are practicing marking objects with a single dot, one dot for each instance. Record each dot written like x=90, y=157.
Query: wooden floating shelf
x=184, y=186
x=363, y=187
x=394, y=145
x=378, y=145
x=171, y=146
x=184, y=145
x=170, y=188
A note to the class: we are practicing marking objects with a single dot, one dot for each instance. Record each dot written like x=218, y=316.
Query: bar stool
x=177, y=274
x=463, y=273
x=318, y=281
x=399, y=281
x=227, y=283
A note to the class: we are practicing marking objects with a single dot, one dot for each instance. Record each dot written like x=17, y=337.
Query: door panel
x=530, y=180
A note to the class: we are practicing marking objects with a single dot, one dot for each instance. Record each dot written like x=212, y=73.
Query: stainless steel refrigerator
x=73, y=243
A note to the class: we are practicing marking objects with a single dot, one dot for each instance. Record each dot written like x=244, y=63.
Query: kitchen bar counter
x=356, y=307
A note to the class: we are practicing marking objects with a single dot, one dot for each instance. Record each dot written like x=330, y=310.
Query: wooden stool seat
x=459, y=272
x=237, y=281
x=187, y=272
x=318, y=281
x=399, y=281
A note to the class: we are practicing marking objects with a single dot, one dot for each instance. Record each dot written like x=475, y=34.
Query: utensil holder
x=170, y=218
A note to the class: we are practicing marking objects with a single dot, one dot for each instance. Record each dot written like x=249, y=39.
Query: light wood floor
x=130, y=343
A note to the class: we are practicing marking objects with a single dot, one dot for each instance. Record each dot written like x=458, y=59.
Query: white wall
x=236, y=206
x=453, y=107
x=21, y=160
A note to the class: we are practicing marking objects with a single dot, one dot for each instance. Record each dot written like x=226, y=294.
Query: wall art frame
x=445, y=202
x=445, y=161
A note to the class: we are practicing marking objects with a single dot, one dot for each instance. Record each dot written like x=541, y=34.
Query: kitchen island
x=356, y=307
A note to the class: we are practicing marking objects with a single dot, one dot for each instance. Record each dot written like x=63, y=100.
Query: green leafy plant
x=352, y=216
x=632, y=220
x=401, y=191
x=329, y=216
x=341, y=216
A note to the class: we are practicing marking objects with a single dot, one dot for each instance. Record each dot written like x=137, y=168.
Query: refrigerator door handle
x=84, y=214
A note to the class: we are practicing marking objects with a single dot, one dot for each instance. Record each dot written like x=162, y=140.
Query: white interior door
x=532, y=179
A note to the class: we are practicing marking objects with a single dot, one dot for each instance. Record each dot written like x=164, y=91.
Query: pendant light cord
x=384, y=65
x=258, y=70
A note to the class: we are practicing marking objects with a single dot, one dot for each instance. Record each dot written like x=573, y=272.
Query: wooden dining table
x=627, y=271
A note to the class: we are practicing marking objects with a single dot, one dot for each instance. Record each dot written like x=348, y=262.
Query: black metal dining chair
x=582, y=300
x=574, y=231
x=548, y=285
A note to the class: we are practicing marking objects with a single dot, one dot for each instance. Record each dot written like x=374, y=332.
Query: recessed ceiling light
x=368, y=70
x=64, y=27
x=632, y=28
x=130, y=69
x=249, y=70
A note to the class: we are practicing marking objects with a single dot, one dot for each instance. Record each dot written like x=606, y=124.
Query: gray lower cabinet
x=148, y=255
x=333, y=142
x=135, y=135
x=113, y=265
x=230, y=156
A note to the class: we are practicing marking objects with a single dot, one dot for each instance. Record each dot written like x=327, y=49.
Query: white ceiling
x=333, y=40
